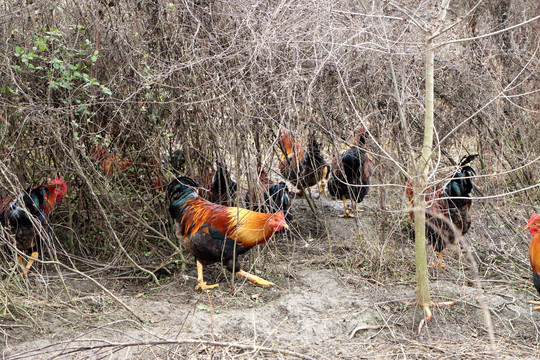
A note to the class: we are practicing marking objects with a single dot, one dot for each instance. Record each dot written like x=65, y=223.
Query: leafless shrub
x=218, y=79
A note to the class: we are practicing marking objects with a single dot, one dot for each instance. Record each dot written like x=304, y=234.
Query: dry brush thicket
x=218, y=79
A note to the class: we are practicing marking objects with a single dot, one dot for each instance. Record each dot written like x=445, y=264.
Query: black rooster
x=266, y=196
x=448, y=212
x=351, y=172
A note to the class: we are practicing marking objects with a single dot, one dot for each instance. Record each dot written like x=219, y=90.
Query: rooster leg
x=346, y=213
x=440, y=264
x=440, y=260
x=33, y=258
x=323, y=182
x=254, y=279
x=201, y=284
x=356, y=210
x=298, y=193
x=536, y=308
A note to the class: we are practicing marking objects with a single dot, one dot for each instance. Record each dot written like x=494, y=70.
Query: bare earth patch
x=335, y=298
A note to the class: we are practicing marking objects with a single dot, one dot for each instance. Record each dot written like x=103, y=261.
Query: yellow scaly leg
x=201, y=284
x=255, y=279
x=323, y=182
x=440, y=264
x=536, y=308
x=346, y=214
x=33, y=258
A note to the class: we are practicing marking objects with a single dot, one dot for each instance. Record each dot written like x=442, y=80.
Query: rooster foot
x=347, y=214
x=26, y=269
x=201, y=284
x=437, y=265
x=440, y=264
x=254, y=279
x=536, y=308
x=203, y=287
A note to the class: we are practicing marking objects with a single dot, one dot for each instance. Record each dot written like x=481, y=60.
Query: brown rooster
x=447, y=214
x=111, y=164
x=108, y=162
x=304, y=167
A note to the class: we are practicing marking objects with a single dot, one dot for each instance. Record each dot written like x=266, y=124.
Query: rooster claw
x=536, y=308
x=437, y=266
x=254, y=279
x=27, y=272
x=347, y=214
x=262, y=282
x=203, y=287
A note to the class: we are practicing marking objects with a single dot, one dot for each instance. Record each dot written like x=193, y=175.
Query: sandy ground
x=334, y=299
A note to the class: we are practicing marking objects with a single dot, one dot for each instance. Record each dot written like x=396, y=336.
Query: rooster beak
x=285, y=226
x=526, y=227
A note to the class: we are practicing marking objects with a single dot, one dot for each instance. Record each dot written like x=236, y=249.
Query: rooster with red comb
x=16, y=212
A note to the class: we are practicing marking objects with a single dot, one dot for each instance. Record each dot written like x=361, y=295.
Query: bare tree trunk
x=422, y=169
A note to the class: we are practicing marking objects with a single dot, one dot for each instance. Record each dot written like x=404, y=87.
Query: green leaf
x=106, y=90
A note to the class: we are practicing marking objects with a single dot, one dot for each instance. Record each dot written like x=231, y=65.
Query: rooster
x=15, y=213
x=111, y=164
x=304, y=167
x=267, y=196
x=216, y=233
x=218, y=187
x=108, y=162
x=351, y=171
x=534, y=252
x=447, y=214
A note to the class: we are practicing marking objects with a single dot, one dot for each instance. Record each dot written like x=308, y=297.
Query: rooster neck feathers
x=193, y=214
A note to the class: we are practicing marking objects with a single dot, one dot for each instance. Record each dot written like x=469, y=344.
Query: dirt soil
x=339, y=294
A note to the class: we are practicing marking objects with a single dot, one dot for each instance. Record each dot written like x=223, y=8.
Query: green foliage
x=65, y=69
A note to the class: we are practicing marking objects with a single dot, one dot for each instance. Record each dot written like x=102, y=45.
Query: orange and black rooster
x=218, y=187
x=108, y=162
x=15, y=213
x=351, y=171
x=447, y=214
x=111, y=164
x=267, y=196
x=216, y=233
x=304, y=167
x=534, y=253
